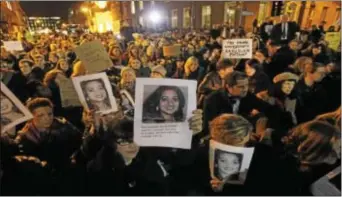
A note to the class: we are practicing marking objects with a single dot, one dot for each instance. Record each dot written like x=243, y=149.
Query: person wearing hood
x=158, y=72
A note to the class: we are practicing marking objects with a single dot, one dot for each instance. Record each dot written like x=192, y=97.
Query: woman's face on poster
x=95, y=91
x=6, y=105
x=25, y=68
x=228, y=164
x=169, y=102
x=43, y=117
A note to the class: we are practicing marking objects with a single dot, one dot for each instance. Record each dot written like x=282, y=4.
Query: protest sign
x=172, y=51
x=334, y=39
x=13, y=46
x=229, y=164
x=94, y=56
x=13, y=112
x=174, y=97
x=237, y=49
x=96, y=92
x=67, y=90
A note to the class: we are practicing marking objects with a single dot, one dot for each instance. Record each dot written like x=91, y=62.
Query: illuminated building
x=39, y=23
x=13, y=18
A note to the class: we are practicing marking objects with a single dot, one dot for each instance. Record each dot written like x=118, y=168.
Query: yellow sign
x=334, y=40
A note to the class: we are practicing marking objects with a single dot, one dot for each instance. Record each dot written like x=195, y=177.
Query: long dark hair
x=83, y=86
x=152, y=102
x=217, y=153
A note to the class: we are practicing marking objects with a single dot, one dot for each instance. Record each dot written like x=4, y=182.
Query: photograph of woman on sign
x=227, y=165
x=165, y=104
x=9, y=112
x=127, y=103
x=96, y=95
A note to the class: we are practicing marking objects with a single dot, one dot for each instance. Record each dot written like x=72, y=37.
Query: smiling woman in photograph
x=8, y=110
x=166, y=104
x=96, y=95
x=227, y=165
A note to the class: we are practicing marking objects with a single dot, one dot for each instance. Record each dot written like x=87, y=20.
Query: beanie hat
x=285, y=77
x=159, y=69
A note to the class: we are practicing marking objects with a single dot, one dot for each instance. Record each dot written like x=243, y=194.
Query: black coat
x=312, y=101
x=258, y=82
x=219, y=102
x=291, y=33
x=280, y=62
x=108, y=175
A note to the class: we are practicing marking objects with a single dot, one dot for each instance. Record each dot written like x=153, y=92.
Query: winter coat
x=54, y=146
x=258, y=82
x=108, y=175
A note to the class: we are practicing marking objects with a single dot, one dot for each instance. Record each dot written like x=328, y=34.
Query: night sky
x=47, y=8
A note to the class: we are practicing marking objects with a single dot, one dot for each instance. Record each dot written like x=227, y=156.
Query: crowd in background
x=289, y=92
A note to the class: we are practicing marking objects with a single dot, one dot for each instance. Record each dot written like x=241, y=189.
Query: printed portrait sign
x=127, y=102
x=13, y=112
x=237, y=49
x=229, y=163
x=334, y=39
x=95, y=92
x=162, y=110
x=94, y=56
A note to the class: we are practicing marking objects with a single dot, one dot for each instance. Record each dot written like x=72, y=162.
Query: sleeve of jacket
x=206, y=86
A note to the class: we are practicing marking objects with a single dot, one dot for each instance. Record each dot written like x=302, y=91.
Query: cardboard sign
x=13, y=46
x=172, y=51
x=94, y=56
x=237, y=49
x=334, y=39
x=67, y=90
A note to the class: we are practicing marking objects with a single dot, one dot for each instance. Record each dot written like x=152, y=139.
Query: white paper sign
x=13, y=46
x=229, y=163
x=95, y=92
x=237, y=49
x=13, y=112
x=162, y=110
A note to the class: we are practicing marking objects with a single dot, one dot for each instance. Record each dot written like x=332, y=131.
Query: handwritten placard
x=172, y=51
x=94, y=56
x=67, y=90
x=334, y=39
x=237, y=49
x=13, y=46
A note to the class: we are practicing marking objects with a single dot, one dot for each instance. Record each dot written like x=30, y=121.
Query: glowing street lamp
x=101, y=4
x=155, y=17
x=84, y=9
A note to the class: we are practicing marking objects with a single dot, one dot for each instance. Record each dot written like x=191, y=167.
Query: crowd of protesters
x=285, y=102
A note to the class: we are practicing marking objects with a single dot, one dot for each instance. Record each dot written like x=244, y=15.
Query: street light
x=101, y=4
x=155, y=17
x=84, y=9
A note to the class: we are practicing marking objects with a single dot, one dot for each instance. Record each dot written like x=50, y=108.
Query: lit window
x=206, y=16
x=324, y=14
x=186, y=17
x=9, y=6
x=141, y=5
x=174, y=18
x=133, y=7
x=141, y=20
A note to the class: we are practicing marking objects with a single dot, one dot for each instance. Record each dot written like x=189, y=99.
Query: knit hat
x=285, y=77
x=159, y=69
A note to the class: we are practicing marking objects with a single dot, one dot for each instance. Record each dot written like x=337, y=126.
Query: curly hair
x=89, y=103
x=152, y=102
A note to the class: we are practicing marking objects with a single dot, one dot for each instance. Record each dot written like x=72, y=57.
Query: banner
x=172, y=51
x=94, y=56
x=13, y=46
x=237, y=49
x=68, y=93
x=334, y=39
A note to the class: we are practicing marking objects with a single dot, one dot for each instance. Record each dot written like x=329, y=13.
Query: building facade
x=205, y=14
x=13, y=18
x=42, y=23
